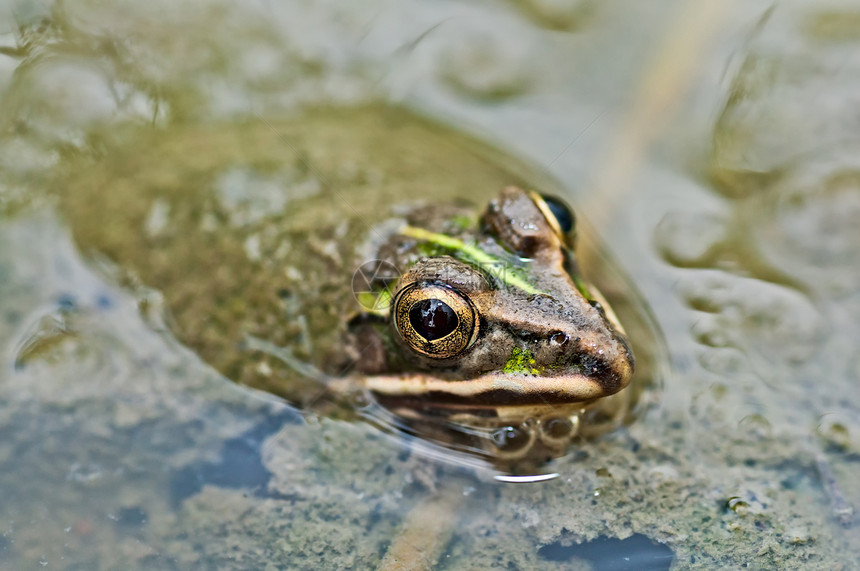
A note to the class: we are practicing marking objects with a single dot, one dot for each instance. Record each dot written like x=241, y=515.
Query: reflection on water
x=121, y=447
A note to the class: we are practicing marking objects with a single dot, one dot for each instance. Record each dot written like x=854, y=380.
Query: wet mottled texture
x=116, y=439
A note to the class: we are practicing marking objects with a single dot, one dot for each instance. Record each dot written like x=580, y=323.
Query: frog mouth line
x=495, y=389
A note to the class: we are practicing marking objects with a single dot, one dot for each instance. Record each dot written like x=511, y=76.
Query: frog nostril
x=559, y=339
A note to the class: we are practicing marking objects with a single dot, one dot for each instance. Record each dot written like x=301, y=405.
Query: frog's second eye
x=557, y=213
x=435, y=320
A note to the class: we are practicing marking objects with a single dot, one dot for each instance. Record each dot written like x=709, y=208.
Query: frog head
x=492, y=324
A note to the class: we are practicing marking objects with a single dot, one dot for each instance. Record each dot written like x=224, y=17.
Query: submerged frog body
x=477, y=331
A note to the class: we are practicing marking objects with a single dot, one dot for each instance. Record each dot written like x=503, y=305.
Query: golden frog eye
x=557, y=213
x=435, y=320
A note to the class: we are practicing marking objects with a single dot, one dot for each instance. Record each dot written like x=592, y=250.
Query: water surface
x=731, y=207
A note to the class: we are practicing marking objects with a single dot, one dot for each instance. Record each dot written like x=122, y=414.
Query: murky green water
x=728, y=193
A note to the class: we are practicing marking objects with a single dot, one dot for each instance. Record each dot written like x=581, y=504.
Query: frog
x=489, y=330
x=243, y=242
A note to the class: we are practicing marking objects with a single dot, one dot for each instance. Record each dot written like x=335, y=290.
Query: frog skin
x=491, y=327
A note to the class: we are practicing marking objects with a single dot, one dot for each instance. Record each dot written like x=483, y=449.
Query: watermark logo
x=372, y=284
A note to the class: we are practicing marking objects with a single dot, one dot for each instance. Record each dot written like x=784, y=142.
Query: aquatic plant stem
x=665, y=81
x=425, y=532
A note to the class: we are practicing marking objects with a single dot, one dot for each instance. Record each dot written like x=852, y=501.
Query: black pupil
x=433, y=319
x=562, y=213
